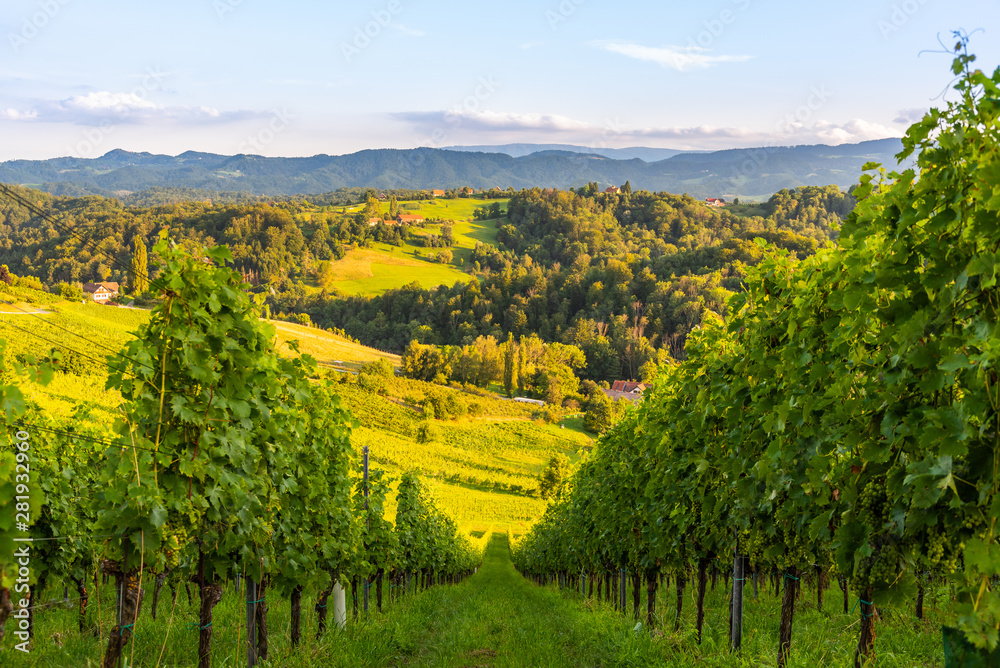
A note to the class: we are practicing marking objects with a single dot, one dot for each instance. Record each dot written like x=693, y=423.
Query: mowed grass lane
x=496, y=618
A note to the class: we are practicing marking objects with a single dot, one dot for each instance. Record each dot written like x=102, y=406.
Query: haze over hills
x=752, y=172
x=644, y=153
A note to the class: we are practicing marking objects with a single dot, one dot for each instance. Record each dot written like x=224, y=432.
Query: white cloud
x=406, y=30
x=909, y=116
x=489, y=126
x=108, y=103
x=15, y=115
x=697, y=132
x=852, y=131
x=511, y=120
x=490, y=121
x=100, y=107
x=680, y=58
x=786, y=134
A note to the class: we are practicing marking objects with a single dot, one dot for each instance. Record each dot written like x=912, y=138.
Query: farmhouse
x=409, y=219
x=373, y=221
x=629, y=386
x=715, y=201
x=612, y=190
x=437, y=193
x=626, y=390
x=101, y=292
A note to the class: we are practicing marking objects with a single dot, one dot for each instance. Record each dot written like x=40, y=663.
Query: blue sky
x=298, y=77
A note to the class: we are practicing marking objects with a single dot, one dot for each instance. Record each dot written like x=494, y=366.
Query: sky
x=302, y=77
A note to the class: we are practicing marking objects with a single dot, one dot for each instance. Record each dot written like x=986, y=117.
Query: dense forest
x=620, y=276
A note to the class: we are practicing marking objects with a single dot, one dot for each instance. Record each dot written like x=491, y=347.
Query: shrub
x=371, y=382
x=28, y=282
x=427, y=433
x=70, y=291
x=380, y=367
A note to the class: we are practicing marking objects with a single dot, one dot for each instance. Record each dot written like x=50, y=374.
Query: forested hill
x=620, y=276
x=738, y=172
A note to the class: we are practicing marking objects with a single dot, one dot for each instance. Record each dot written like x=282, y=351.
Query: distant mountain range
x=644, y=153
x=753, y=172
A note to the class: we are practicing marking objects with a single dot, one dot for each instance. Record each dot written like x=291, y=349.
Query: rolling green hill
x=483, y=466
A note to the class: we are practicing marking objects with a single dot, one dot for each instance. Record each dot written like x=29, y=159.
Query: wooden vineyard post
x=700, y=600
x=622, y=590
x=865, y=653
x=736, y=631
x=636, y=593
x=130, y=595
x=81, y=589
x=790, y=580
x=679, y=581
x=652, y=582
x=251, y=623
x=355, y=606
x=260, y=613
x=920, y=599
x=296, y=609
x=820, y=583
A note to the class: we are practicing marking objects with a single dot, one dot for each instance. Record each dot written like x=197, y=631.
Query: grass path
x=496, y=619
x=499, y=619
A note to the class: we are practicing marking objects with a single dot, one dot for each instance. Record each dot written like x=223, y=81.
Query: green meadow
x=372, y=271
x=382, y=267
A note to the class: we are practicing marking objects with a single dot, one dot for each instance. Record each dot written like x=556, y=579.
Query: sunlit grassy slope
x=381, y=267
x=327, y=348
x=365, y=271
x=483, y=467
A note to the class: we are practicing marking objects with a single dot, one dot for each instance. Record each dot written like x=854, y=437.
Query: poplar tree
x=140, y=268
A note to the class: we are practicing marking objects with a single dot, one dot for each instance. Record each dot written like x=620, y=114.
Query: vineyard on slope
x=226, y=463
x=842, y=423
